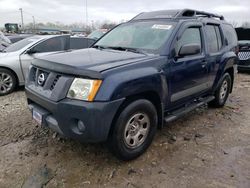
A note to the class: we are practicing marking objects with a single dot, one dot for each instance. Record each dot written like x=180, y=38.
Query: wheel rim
x=136, y=130
x=223, y=90
x=6, y=83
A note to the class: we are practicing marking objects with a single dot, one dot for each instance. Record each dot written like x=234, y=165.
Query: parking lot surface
x=206, y=148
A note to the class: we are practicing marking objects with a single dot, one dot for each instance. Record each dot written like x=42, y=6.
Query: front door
x=54, y=44
x=189, y=74
x=26, y=60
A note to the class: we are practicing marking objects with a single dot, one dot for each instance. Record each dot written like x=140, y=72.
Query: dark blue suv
x=150, y=70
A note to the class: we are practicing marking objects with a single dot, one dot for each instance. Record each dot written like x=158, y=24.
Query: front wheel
x=7, y=82
x=222, y=92
x=134, y=130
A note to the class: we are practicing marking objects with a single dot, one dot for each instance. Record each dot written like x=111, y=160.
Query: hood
x=3, y=54
x=89, y=59
x=6, y=54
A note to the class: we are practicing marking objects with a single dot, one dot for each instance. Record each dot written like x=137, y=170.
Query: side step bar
x=180, y=112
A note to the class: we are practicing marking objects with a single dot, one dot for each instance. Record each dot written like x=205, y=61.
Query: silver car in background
x=16, y=59
x=4, y=41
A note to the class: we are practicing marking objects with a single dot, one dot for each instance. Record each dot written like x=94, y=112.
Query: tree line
x=74, y=26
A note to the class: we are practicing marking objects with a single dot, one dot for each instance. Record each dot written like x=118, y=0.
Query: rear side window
x=214, y=40
x=80, y=43
x=230, y=35
x=51, y=45
x=190, y=36
x=219, y=38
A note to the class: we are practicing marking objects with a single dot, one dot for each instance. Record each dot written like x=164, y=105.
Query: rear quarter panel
x=228, y=60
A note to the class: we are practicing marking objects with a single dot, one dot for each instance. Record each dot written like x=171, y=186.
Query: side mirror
x=31, y=51
x=189, y=49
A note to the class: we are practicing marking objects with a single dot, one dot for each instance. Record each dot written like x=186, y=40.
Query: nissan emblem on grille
x=41, y=79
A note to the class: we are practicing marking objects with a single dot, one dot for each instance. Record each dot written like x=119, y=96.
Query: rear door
x=214, y=50
x=189, y=74
x=55, y=44
x=80, y=42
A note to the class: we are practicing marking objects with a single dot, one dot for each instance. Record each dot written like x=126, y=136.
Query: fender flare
x=229, y=62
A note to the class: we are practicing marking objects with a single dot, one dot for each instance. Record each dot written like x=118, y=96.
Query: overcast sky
x=72, y=11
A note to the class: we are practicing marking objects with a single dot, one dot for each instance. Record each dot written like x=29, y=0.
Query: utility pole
x=92, y=24
x=86, y=11
x=34, y=24
x=21, y=10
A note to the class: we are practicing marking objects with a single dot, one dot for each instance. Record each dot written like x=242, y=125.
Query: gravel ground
x=206, y=148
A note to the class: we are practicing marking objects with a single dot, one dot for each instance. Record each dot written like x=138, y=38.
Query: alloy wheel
x=136, y=130
x=223, y=90
x=6, y=83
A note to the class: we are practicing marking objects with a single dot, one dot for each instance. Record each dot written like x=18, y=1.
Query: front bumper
x=244, y=65
x=243, y=68
x=64, y=116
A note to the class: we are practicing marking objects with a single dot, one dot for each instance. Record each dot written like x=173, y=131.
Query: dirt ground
x=207, y=148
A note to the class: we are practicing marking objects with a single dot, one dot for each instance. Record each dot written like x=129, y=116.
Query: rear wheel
x=134, y=130
x=222, y=93
x=7, y=82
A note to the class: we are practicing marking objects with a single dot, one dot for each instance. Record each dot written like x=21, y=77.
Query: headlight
x=84, y=89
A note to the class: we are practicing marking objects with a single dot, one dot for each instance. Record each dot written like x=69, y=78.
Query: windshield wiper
x=134, y=50
x=99, y=47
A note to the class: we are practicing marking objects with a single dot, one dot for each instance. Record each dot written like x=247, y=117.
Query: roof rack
x=195, y=13
x=185, y=13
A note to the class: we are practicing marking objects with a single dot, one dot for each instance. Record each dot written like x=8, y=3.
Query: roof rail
x=185, y=13
x=193, y=13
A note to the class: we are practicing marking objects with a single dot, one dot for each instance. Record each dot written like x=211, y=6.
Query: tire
x=7, y=82
x=133, y=130
x=222, y=92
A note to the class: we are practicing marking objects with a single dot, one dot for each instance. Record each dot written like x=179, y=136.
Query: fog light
x=81, y=126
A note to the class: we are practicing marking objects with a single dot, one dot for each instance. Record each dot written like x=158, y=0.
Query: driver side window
x=190, y=36
x=51, y=45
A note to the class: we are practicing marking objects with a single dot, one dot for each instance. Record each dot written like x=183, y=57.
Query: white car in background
x=16, y=58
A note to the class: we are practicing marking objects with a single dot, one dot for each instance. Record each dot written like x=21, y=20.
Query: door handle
x=203, y=63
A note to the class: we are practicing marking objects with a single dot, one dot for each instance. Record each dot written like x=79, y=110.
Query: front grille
x=55, y=86
x=32, y=74
x=49, y=80
x=41, y=77
x=54, y=82
x=244, y=55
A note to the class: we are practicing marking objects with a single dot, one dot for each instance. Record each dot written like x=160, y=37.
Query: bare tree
x=108, y=26
x=74, y=26
x=234, y=23
x=246, y=24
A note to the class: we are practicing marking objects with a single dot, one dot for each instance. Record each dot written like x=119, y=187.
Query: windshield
x=20, y=44
x=148, y=36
